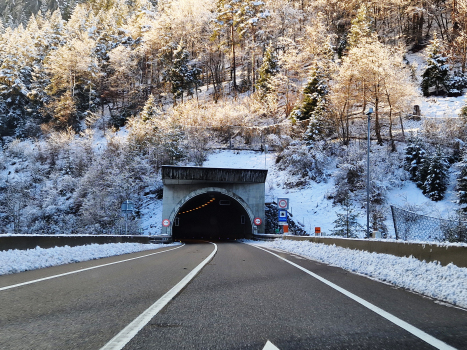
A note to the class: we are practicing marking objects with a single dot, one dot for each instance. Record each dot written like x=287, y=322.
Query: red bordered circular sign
x=282, y=204
x=257, y=221
x=166, y=222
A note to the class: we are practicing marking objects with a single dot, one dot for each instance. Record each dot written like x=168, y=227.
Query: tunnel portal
x=212, y=203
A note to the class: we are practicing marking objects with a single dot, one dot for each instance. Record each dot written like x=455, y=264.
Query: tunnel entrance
x=211, y=215
x=212, y=203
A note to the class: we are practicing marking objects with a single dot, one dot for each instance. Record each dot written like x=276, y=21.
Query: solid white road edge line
x=397, y=321
x=86, y=269
x=127, y=333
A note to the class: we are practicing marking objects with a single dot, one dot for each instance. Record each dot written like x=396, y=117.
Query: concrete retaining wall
x=427, y=252
x=31, y=242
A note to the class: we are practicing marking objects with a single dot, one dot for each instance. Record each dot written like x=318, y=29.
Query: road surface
x=244, y=298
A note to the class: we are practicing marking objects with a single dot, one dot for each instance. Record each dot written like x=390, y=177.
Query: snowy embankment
x=14, y=261
x=445, y=283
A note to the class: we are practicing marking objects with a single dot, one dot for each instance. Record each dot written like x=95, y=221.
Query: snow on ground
x=14, y=261
x=445, y=283
x=152, y=216
x=434, y=106
x=308, y=205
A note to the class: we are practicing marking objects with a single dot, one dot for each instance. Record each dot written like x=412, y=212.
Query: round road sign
x=166, y=222
x=257, y=221
x=282, y=203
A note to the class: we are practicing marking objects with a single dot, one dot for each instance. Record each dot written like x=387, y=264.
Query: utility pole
x=370, y=111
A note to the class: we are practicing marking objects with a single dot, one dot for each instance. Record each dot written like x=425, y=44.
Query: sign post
x=283, y=205
x=127, y=208
x=166, y=223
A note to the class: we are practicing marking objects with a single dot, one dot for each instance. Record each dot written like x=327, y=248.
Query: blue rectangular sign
x=282, y=215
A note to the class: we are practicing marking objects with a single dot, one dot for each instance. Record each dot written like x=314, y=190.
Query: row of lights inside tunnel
x=200, y=207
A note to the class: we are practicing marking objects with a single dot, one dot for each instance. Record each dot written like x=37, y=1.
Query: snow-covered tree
x=462, y=182
x=436, y=181
x=435, y=78
x=16, y=59
x=360, y=28
x=268, y=69
x=239, y=17
x=181, y=76
x=415, y=155
x=346, y=224
x=367, y=77
x=458, y=47
x=150, y=110
x=73, y=69
x=315, y=93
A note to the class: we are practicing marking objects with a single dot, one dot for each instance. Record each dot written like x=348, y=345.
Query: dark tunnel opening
x=211, y=215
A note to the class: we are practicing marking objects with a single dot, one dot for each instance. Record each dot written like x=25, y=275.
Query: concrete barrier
x=456, y=255
x=31, y=242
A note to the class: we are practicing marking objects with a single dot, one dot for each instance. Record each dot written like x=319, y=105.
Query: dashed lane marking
x=270, y=346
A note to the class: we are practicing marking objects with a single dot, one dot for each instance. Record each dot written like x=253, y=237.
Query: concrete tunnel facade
x=213, y=203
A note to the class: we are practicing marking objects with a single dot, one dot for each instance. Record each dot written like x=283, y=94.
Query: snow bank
x=13, y=261
x=446, y=283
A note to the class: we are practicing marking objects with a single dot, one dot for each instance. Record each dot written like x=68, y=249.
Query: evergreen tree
x=435, y=79
x=314, y=105
x=268, y=69
x=172, y=142
x=422, y=171
x=314, y=97
x=414, y=157
x=150, y=111
x=360, y=28
x=462, y=182
x=15, y=77
x=436, y=181
x=181, y=75
x=346, y=224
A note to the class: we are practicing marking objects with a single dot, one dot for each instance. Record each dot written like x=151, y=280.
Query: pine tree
x=181, y=75
x=15, y=77
x=314, y=97
x=462, y=181
x=150, y=111
x=435, y=79
x=360, y=28
x=268, y=69
x=414, y=157
x=346, y=224
x=436, y=181
x=422, y=171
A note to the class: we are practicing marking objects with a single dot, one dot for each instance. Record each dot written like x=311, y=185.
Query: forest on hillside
x=182, y=77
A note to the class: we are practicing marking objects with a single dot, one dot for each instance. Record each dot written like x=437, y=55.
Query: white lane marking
x=397, y=321
x=127, y=333
x=270, y=346
x=82, y=270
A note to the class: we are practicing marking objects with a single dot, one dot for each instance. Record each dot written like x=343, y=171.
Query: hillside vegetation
x=95, y=96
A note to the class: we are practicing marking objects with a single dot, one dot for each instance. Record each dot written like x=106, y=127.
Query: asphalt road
x=243, y=298
x=85, y=310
